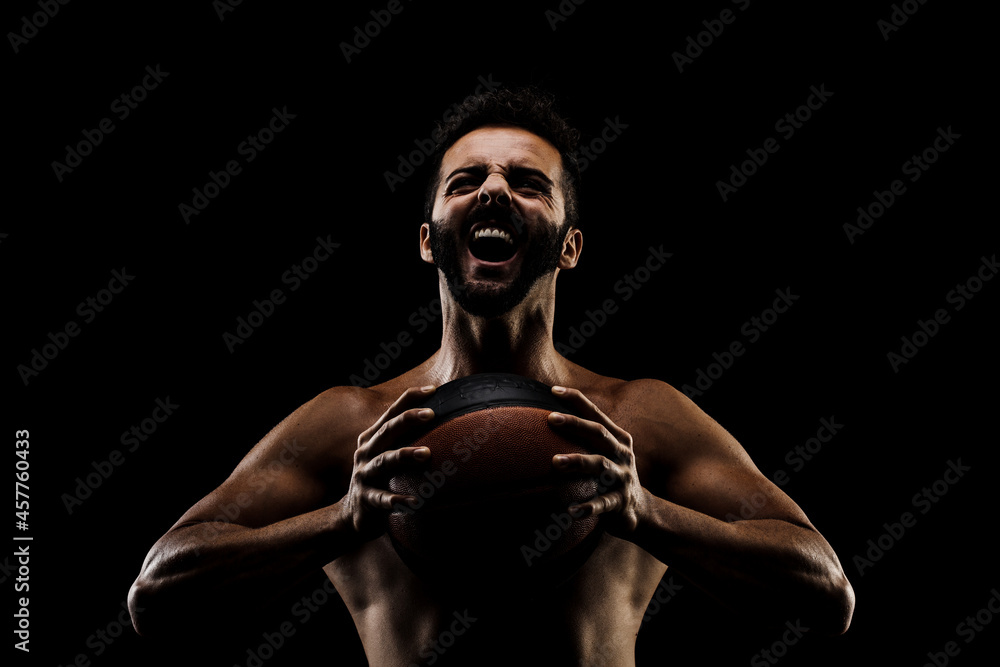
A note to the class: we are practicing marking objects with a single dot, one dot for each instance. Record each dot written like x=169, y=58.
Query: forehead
x=503, y=147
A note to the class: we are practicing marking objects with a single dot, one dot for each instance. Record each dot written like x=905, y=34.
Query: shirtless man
x=677, y=474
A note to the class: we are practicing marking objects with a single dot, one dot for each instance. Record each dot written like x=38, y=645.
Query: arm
x=271, y=524
x=769, y=561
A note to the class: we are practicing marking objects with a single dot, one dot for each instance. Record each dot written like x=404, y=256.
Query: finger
x=394, y=461
x=585, y=464
x=406, y=400
x=586, y=409
x=609, y=502
x=593, y=435
x=387, y=501
x=398, y=431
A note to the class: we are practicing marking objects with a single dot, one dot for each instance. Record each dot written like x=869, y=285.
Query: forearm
x=205, y=565
x=773, y=568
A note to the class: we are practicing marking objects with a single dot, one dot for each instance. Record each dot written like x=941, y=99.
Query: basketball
x=489, y=496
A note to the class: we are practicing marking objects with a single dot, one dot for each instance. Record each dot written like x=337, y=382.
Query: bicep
x=295, y=469
x=701, y=466
x=730, y=490
x=258, y=496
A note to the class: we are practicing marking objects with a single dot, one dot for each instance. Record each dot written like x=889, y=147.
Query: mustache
x=491, y=211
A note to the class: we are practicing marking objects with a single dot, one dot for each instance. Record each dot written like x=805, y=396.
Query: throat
x=511, y=343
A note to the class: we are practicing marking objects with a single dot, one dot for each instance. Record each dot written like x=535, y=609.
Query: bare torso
x=593, y=618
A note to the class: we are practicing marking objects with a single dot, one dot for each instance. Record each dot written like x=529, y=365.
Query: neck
x=519, y=341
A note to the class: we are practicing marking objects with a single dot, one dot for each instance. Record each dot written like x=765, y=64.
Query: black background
x=324, y=176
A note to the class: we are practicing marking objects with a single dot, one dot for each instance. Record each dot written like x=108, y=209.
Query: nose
x=495, y=189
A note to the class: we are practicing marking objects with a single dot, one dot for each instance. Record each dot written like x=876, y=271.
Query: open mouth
x=491, y=242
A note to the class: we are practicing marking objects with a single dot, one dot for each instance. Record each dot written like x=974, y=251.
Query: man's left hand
x=620, y=494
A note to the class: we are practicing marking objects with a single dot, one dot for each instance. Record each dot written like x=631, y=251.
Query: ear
x=425, y=243
x=572, y=247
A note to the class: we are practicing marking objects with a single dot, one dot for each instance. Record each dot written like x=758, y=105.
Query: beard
x=540, y=256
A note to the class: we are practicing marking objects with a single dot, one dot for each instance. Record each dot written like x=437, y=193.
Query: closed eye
x=464, y=184
x=530, y=185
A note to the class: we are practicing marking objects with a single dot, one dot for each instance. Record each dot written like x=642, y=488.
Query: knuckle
x=382, y=430
x=365, y=436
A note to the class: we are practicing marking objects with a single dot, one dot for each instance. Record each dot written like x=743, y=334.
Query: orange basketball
x=490, y=500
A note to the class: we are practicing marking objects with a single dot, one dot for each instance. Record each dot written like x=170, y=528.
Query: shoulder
x=667, y=426
x=323, y=431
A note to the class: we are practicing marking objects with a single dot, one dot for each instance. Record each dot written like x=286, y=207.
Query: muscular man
x=505, y=167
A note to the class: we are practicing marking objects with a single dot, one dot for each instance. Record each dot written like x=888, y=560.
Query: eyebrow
x=480, y=169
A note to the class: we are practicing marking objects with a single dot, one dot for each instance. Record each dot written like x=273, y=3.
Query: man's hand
x=621, y=496
x=379, y=457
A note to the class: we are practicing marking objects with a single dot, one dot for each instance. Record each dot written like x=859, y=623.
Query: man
x=501, y=223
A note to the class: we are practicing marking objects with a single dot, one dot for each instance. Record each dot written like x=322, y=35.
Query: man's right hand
x=379, y=457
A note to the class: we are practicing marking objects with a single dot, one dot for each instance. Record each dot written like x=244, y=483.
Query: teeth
x=493, y=232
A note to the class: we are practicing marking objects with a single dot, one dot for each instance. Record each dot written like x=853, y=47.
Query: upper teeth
x=493, y=232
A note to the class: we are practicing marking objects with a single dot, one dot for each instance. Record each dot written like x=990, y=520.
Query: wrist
x=648, y=530
x=339, y=530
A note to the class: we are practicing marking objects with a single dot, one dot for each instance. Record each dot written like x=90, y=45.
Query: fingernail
x=558, y=390
x=576, y=511
x=557, y=418
x=561, y=460
x=422, y=453
x=425, y=414
x=428, y=388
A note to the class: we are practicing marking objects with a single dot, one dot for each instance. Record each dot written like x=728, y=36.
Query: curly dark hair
x=528, y=107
